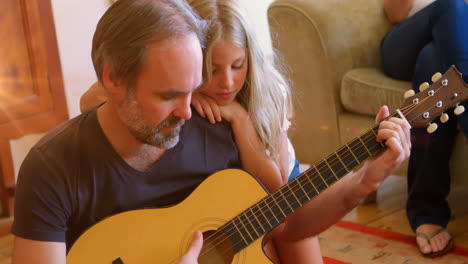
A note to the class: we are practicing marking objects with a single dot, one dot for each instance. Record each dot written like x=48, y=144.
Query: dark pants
x=430, y=41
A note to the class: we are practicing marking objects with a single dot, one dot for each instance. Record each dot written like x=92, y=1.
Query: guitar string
x=370, y=137
x=367, y=139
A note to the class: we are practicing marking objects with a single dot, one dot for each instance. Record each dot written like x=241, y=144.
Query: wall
x=75, y=22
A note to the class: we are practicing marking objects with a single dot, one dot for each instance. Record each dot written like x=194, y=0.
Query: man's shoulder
x=203, y=124
x=65, y=134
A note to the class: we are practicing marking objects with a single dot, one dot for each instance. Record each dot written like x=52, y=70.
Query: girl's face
x=229, y=65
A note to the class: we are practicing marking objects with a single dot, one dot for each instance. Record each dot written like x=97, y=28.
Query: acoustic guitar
x=232, y=208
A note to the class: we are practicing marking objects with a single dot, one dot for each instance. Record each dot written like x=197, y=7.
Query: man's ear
x=111, y=84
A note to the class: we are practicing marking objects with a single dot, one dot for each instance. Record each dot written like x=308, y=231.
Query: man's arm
x=39, y=252
x=331, y=205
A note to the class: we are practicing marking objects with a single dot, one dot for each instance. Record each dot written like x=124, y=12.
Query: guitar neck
x=265, y=215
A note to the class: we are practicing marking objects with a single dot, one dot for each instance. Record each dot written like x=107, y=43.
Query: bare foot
x=432, y=238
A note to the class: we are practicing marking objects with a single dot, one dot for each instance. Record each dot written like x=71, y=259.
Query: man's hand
x=395, y=132
x=194, y=250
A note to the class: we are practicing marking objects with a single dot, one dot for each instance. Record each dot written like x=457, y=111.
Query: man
x=148, y=56
x=133, y=152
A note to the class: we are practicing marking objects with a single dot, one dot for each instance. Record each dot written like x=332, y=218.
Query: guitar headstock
x=445, y=92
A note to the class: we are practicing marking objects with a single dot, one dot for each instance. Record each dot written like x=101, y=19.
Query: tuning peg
x=444, y=118
x=408, y=94
x=459, y=109
x=431, y=128
x=423, y=86
x=436, y=77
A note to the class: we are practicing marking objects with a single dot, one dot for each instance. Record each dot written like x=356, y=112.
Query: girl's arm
x=253, y=155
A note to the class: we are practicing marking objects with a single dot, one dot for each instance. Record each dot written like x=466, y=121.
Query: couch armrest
x=320, y=41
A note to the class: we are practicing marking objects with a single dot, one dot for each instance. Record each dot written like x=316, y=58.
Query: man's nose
x=183, y=110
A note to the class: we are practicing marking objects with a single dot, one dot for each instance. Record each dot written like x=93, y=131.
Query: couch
x=331, y=49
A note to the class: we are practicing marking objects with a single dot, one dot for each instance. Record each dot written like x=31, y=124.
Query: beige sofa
x=332, y=50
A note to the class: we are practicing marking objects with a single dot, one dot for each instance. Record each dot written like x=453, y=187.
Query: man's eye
x=168, y=97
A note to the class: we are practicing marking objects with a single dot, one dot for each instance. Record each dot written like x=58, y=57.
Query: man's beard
x=140, y=128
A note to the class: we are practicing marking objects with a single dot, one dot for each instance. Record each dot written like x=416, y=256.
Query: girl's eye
x=237, y=67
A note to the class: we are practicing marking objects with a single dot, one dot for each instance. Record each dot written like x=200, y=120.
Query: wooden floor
x=388, y=213
x=389, y=210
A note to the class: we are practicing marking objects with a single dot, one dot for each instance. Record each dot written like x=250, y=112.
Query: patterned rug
x=348, y=242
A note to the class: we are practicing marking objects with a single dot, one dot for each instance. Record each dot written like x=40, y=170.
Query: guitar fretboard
x=266, y=214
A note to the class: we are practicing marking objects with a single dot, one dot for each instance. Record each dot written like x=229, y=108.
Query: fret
x=302, y=187
x=370, y=154
x=238, y=230
x=357, y=160
x=291, y=198
x=249, y=228
x=234, y=234
x=266, y=220
x=297, y=190
x=311, y=183
x=286, y=199
x=348, y=158
x=374, y=131
x=316, y=169
x=306, y=184
x=319, y=184
x=342, y=163
x=360, y=152
x=328, y=175
x=336, y=166
x=283, y=204
x=270, y=210
x=255, y=224
x=279, y=207
x=372, y=143
x=334, y=174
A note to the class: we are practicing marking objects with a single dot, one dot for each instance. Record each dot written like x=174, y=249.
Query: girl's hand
x=233, y=111
x=206, y=107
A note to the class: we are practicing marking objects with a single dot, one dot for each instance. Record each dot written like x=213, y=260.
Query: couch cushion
x=365, y=90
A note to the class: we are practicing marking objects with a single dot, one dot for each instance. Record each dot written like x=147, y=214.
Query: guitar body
x=149, y=236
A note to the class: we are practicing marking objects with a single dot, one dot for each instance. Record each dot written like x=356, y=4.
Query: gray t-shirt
x=73, y=178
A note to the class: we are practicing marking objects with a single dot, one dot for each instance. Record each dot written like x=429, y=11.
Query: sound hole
x=217, y=248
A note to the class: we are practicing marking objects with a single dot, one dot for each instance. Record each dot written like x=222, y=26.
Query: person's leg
x=428, y=171
x=401, y=45
x=281, y=251
x=305, y=251
x=450, y=33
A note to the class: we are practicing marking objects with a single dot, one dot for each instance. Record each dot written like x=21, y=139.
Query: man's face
x=160, y=102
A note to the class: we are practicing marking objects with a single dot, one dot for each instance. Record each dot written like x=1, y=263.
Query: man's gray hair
x=129, y=26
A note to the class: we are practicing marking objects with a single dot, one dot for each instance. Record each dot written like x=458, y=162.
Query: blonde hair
x=266, y=92
x=129, y=26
